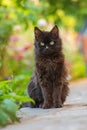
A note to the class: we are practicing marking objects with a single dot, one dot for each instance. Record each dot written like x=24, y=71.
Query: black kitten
x=48, y=85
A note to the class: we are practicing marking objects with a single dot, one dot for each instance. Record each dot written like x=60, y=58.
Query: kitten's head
x=47, y=43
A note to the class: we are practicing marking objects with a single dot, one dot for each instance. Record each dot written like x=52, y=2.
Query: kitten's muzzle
x=47, y=51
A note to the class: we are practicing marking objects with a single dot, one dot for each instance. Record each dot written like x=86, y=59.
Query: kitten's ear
x=55, y=32
x=37, y=33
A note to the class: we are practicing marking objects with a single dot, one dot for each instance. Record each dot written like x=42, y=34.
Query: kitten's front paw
x=58, y=105
x=47, y=106
x=41, y=105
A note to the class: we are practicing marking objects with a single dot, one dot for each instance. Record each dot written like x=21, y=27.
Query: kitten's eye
x=51, y=43
x=42, y=44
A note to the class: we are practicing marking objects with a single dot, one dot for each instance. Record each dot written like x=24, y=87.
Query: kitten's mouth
x=48, y=53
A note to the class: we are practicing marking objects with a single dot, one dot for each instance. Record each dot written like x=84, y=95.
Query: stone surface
x=73, y=115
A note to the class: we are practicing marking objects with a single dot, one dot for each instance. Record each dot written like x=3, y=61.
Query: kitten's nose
x=47, y=47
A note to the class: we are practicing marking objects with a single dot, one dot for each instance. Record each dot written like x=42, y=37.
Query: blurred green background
x=17, y=21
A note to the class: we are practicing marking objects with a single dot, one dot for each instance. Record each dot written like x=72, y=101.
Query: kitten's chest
x=48, y=70
x=48, y=67
x=51, y=65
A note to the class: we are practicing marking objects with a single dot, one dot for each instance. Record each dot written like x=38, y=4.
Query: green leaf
x=8, y=112
x=3, y=117
x=10, y=105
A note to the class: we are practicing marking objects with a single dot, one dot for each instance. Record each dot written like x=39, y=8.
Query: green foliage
x=11, y=93
x=71, y=8
x=8, y=110
x=5, y=25
x=78, y=67
x=14, y=12
x=25, y=12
